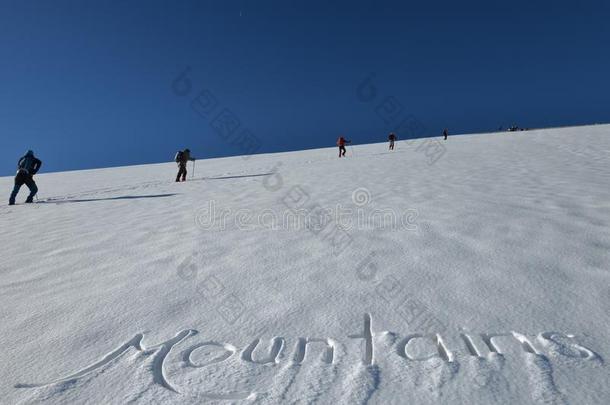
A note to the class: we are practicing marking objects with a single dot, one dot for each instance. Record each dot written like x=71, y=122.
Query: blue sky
x=89, y=84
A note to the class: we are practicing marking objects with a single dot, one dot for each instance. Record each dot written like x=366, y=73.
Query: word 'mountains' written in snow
x=483, y=346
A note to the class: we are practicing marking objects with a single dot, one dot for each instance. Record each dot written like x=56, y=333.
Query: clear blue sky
x=89, y=83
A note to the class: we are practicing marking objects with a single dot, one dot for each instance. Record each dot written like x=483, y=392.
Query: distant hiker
x=27, y=167
x=182, y=158
x=445, y=133
x=392, y=138
x=341, y=144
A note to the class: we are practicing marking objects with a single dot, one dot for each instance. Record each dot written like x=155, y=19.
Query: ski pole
x=193, y=174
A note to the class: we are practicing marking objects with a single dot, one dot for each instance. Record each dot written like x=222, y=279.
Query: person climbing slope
x=392, y=139
x=341, y=144
x=445, y=133
x=27, y=167
x=182, y=158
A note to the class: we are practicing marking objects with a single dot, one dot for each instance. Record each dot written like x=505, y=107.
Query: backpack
x=26, y=164
x=179, y=156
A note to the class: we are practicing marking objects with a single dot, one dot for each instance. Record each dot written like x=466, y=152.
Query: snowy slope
x=380, y=278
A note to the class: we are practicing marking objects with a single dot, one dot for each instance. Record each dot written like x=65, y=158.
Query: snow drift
x=468, y=271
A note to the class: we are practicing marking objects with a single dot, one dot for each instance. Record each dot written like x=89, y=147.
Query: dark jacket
x=184, y=157
x=29, y=164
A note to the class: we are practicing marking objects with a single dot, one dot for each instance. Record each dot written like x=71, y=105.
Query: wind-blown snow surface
x=118, y=288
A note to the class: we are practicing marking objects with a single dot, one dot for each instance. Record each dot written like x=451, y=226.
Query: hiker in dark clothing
x=27, y=167
x=445, y=133
x=341, y=144
x=392, y=138
x=182, y=158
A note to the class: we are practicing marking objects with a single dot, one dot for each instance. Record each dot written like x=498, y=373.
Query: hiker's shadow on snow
x=234, y=177
x=125, y=197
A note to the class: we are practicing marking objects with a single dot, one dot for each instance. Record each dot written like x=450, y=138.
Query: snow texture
x=468, y=271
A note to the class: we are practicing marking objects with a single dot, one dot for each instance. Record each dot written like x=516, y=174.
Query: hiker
x=392, y=138
x=182, y=158
x=445, y=133
x=27, y=167
x=341, y=144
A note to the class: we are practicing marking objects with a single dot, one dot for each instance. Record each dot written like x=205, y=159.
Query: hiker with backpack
x=392, y=138
x=182, y=158
x=27, y=167
x=341, y=144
